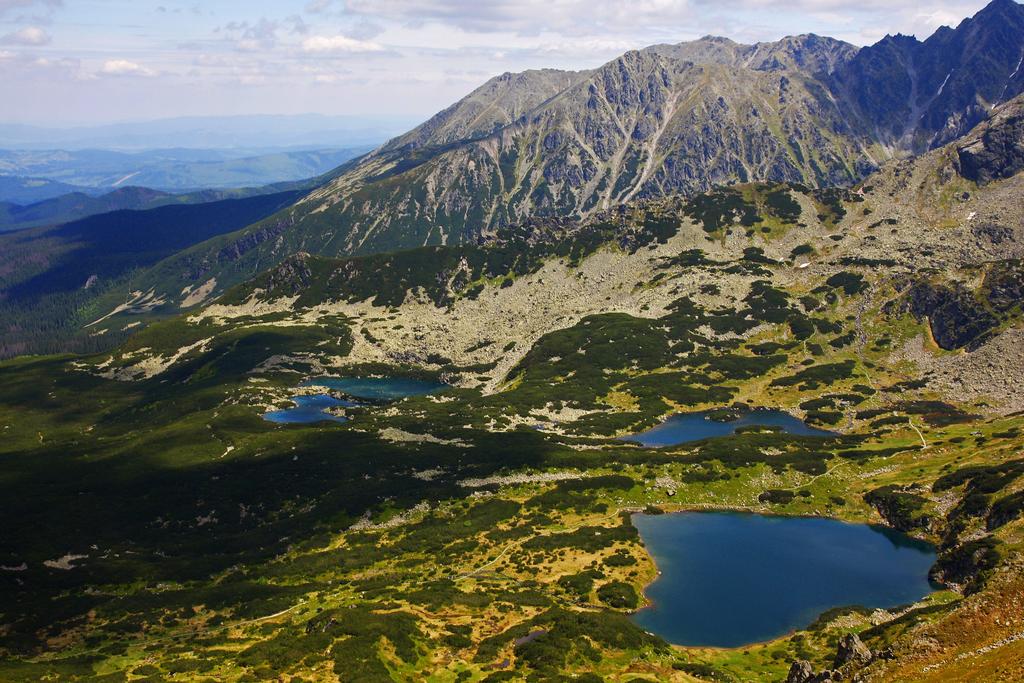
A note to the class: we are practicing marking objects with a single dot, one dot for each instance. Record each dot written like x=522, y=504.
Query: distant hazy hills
x=77, y=205
x=182, y=154
x=666, y=119
x=28, y=176
x=20, y=190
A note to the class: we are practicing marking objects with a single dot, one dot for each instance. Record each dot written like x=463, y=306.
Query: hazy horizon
x=73, y=125
x=254, y=133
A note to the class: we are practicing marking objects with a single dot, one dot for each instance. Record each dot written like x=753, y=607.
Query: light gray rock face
x=800, y=672
x=851, y=653
x=497, y=103
x=670, y=119
x=647, y=124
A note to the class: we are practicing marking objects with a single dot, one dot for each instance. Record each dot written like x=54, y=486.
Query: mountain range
x=664, y=120
x=487, y=529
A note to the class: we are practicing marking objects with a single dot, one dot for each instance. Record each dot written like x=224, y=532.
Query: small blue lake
x=377, y=388
x=731, y=579
x=685, y=427
x=309, y=409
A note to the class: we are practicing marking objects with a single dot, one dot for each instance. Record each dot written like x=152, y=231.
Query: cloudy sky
x=100, y=61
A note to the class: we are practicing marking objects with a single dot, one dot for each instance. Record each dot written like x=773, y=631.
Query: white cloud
x=122, y=67
x=938, y=17
x=339, y=44
x=644, y=21
x=30, y=35
x=332, y=78
x=586, y=46
x=262, y=35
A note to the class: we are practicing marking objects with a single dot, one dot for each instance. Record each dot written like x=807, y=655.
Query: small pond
x=685, y=427
x=309, y=409
x=731, y=579
x=377, y=388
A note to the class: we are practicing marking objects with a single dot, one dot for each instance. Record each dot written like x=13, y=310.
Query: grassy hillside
x=78, y=205
x=51, y=278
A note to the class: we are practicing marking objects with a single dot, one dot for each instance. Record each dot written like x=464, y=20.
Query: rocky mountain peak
x=498, y=102
x=808, y=53
x=717, y=39
x=919, y=95
x=999, y=9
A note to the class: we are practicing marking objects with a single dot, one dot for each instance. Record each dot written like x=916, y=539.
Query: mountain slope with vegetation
x=52, y=277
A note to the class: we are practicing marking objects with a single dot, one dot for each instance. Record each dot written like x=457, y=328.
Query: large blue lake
x=731, y=579
x=685, y=427
x=377, y=388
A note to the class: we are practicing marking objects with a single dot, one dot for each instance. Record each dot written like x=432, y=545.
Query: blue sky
x=99, y=61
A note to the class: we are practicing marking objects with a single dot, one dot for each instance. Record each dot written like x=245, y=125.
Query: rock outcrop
x=800, y=672
x=959, y=316
x=955, y=316
x=803, y=672
x=995, y=151
x=851, y=651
